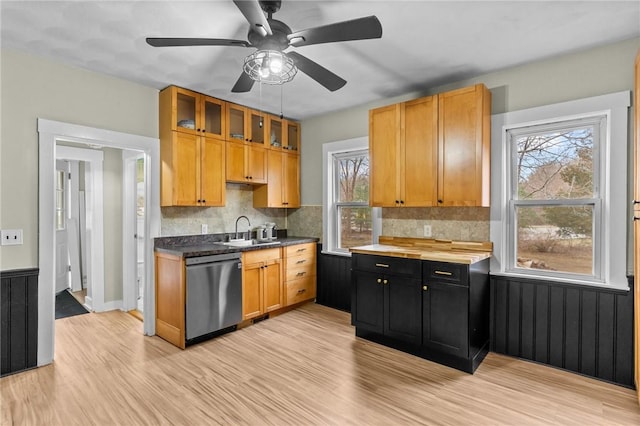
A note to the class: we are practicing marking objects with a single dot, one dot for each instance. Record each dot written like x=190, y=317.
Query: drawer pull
x=443, y=273
x=301, y=261
x=382, y=265
x=301, y=249
x=425, y=288
x=299, y=274
x=385, y=282
x=302, y=290
x=379, y=280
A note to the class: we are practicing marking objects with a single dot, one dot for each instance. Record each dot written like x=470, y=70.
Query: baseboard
x=112, y=306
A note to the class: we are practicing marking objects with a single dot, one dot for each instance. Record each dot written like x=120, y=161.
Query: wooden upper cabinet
x=384, y=156
x=192, y=151
x=402, y=142
x=464, y=147
x=245, y=163
x=246, y=124
x=432, y=151
x=283, y=182
x=190, y=112
x=419, y=130
x=192, y=170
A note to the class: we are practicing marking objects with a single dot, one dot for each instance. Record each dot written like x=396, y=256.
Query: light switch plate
x=11, y=237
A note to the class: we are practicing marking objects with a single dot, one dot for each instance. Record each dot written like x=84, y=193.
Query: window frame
x=599, y=123
x=330, y=181
x=615, y=209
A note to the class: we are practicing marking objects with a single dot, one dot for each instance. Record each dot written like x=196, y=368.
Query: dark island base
x=468, y=365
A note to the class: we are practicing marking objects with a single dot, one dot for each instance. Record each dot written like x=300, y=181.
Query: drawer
x=300, y=289
x=301, y=249
x=298, y=261
x=387, y=265
x=300, y=271
x=262, y=255
x=448, y=272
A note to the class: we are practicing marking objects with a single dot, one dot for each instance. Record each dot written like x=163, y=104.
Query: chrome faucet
x=240, y=217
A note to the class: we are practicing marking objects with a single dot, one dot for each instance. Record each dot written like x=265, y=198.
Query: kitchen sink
x=248, y=243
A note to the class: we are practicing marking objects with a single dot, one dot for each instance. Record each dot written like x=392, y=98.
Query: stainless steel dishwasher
x=214, y=294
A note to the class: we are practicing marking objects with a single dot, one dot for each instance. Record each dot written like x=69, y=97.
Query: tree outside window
x=352, y=200
x=555, y=202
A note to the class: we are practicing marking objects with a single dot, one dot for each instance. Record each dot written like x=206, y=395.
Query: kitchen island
x=429, y=298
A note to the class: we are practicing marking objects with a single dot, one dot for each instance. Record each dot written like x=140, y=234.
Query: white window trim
x=329, y=149
x=614, y=148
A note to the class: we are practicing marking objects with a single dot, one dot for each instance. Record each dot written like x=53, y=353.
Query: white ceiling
x=423, y=44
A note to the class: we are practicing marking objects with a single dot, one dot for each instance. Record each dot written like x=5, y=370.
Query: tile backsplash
x=448, y=223
x=189, y=220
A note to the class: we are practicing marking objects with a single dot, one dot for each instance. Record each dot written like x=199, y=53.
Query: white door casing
x=49, y=132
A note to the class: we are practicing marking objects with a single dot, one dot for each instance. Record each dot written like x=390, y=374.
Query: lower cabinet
x=435, y=310
x=388, y=304
x=300, y=273
x=261, y=282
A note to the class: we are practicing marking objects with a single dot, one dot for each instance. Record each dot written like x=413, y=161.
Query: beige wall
x=112, y=193
x=33, y=88
x=597, y=71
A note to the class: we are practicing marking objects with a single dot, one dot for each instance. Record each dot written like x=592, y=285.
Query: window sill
x=336, y=253
x=581, y=283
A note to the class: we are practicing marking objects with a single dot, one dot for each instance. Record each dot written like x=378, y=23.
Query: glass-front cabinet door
x=236, y=128
x=186, y=111
x=258, y=127
x=293, y=136
x=213, y=122
x=275, y=132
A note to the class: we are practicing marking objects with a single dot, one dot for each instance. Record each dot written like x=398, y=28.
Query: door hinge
x=69, y=268
x=69, y=175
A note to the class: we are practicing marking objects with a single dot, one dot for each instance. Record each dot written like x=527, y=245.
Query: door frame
x=94, y=299
x=49, y=133
x=129, y=228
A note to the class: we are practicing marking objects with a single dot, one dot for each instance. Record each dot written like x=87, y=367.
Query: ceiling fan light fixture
x=270, y=67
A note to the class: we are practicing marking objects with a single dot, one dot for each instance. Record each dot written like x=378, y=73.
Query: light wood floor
x=304, y=367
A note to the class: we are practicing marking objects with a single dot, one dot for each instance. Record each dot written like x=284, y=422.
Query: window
x=559, y=192
x=351, y=200
x=348, y=221
x=555, y=205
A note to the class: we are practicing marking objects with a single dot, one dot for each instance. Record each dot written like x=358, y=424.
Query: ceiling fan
x=271, y=37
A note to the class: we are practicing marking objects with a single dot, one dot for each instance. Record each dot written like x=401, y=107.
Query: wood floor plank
x=304, y=367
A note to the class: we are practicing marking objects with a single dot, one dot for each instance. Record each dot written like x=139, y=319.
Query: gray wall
x=605, y=69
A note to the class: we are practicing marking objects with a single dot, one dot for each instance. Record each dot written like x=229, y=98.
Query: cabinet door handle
x=382, y=265
x=302, y=290
x=425, y=288
x=379, y=280
x=299, y=274
x=385, y=282
x=443, y=273
x=301, y=261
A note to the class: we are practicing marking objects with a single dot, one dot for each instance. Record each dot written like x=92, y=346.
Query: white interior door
x=134, y=235
x=61, y=214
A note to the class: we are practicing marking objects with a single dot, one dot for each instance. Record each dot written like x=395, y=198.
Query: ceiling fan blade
x=244, y=83
x=356, y=29
x=317, y=72
x=168, y=42
x=253, y=13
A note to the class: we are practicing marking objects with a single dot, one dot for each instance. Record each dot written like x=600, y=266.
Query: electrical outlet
x=11, y=237
x=427, y=230
x=204, y=228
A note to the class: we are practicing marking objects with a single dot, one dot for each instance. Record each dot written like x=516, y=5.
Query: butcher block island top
x=466, y=252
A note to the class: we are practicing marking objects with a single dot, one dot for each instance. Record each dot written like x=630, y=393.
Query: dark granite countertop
x=206, y=245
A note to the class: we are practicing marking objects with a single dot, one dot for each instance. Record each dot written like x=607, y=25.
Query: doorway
x=49, y=134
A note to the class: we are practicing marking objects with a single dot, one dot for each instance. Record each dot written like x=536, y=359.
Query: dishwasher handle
x=199, y=260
